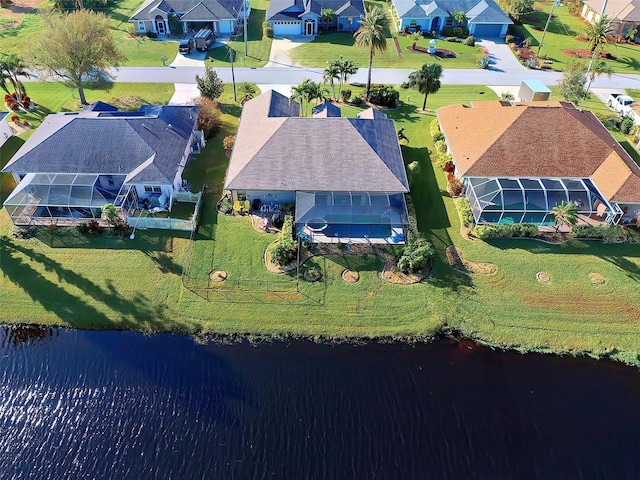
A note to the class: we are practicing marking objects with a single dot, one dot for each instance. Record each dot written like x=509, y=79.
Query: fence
x=171, y=223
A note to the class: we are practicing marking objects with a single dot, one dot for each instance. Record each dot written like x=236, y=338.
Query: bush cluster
x=509, y=39
x=284, y=251
x=346, y=95
x=209, y=120
x=470, y=41
x=151, y=34
x=417, y=251
x=608, y=233
x=626, y=125
x=267, y=30
x=456, y=32
x=506, y=231
x=384, y=95
x=225, y=206
x=464, y=212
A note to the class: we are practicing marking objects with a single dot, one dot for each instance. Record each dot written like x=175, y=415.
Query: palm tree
x=300, y=94
x=372, y=35
x=331, y=73
x=109, y=213
x=427, y=79
x=597, y=33
x=346, y=68
x=598, y=69
x=565, y=213
x=328, y=16
x=12, y=67
x=460, y=17
x=247, y=90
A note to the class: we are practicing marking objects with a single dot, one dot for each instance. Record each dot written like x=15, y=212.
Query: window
x=152, y=189
x=350, y=21
x=141, y=27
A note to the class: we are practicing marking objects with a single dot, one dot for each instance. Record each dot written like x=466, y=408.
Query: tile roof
x=538, y=140
x=618, y=10
x=107, y=142
x=292, y=153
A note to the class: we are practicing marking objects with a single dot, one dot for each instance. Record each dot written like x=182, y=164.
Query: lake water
x=77, y=405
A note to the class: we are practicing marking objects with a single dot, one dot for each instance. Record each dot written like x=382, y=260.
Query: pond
x=81, y=404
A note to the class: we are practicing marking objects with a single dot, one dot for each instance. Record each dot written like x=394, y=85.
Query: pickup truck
x=620, y=103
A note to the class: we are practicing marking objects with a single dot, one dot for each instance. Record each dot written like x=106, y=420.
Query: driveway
x=193, y=59
x=280, y=47
x=502, y=58
x=185, y=94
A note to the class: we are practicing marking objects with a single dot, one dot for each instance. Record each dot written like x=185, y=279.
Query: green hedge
x=284, y=251
x=464, y=212
x=607, y=233
x=457, y=32
x=506, y=231
x=434, y=127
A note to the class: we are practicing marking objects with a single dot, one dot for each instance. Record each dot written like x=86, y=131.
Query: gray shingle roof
x=110, y=143
x=207, y=10
x=478, y=11
x=335, y=154
x=326, y=109
x=3, y=114
x=346, y=8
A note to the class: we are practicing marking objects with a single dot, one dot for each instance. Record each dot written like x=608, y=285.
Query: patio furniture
x=237, y=207
x=247, y=206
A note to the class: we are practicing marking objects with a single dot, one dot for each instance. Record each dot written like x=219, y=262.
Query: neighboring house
x=485, y=19
x=220, y=16
x=5, y=129
x=345, y=175
x=519, y=160
x=624, y=14
x=303, y=17
x=76, y=162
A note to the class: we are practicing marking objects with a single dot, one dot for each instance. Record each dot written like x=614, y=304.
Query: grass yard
x=561, y=35
x=258, y=48
x=63, y=278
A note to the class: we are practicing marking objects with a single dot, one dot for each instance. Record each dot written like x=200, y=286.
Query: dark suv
x=186, y=46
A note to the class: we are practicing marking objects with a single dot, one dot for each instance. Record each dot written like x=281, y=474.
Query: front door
x=160, y=26
x=308, y=27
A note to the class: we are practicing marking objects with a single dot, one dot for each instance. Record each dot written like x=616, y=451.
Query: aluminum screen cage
x=518, y=200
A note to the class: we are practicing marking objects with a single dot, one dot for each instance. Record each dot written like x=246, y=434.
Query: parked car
x=620, y=103
x=186, y=46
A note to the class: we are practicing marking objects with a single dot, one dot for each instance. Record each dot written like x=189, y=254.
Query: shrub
x=456, y=32
x=443, y=159
x=434, y=127
x=531, y=63
x=609, y=120
x=211, y=85
x=506, y=231
x=438, y=136
x=384, y=95
x=626, y=125
x=225, y=206
x=25, y=123
x=209, y=117
x=15, y=118
x=82, y=228
x=464, y=212
x=23, y=233
x=265, y=24
x=414, y=168
x=284, y=251
x=527, y=42
x=267, y=32
x=151, y=34
x=452, y=39
x=449, y=167
x=470, y=41
x=121, y=228
x=608, y=233
x=175, y=25
x=357, y=101
x=93, y=226
x=228, y=142
x=440, y=146
x=484, y=61
x=415, y=256
x=346, y=95
x=455, y=186
x=509, y=39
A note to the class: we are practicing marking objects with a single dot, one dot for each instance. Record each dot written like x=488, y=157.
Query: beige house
x=624, y=14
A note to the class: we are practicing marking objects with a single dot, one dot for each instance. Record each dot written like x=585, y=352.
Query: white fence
x=171, y=223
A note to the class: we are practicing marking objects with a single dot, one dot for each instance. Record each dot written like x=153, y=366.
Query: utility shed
x=533, y=91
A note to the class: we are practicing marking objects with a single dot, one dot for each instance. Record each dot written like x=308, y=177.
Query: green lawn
x=63, y=278
x=561, y=35
x=258, y=48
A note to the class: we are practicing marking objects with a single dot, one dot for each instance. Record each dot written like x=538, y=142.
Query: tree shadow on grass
x=136, y=313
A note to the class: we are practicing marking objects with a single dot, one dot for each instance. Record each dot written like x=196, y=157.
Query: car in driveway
x=186, y=46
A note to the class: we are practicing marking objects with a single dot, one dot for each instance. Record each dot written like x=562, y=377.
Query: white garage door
x=488, y=30
x=286, y=28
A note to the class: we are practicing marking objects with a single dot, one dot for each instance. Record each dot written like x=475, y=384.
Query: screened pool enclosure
x=67, y=198
x=519, y=200
x=356, y=217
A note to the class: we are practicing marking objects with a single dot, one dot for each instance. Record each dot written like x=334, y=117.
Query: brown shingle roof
x=553, y=139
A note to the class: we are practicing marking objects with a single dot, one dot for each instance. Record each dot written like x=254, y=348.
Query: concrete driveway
x=193, y=59
x=502, y=58
x=185, y=94
x=280, y=48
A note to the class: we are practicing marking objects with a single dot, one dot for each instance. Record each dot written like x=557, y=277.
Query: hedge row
x=464, y=212
x=607, y=233
x=506, y=231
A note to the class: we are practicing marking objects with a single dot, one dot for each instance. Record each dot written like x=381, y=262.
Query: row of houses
x=346, y=176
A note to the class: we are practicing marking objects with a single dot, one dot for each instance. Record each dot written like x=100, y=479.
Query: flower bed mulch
x=458, y=262
x=440, y=52
x=218, y=275
x=350, y=276
x=584, y=53
x=597, y=279
x=543, y=277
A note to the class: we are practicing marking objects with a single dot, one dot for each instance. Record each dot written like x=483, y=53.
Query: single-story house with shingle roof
x=519, y=160
x=485, y=19
x=220, y=16
x=303, y=17
x=76, y=162
x=5, y=129
x=624, y=14
x=345, y=175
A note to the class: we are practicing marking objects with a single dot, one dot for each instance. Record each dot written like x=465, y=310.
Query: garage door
x=286, y=28
x=488, y=30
